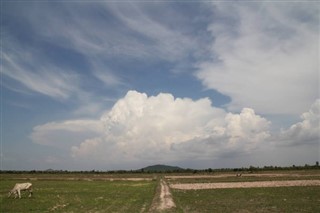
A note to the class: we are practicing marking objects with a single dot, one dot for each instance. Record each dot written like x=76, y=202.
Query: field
x=163, y=193
x=85, y=194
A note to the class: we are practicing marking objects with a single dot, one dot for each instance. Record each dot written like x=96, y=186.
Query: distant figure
x=21, y=187
x=239, y=175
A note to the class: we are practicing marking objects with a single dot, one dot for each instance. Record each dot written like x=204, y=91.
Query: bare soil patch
x=196, y=186
x=129, y=179
x=243, y=175
x=166, y=201
x=163, y=198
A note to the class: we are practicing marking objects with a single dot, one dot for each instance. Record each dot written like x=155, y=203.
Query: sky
x=108, y=85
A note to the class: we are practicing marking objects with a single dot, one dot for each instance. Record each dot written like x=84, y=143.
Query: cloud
x=140, y=128
x=65, y=61
x=305, y=132
x=110, y=30
x=264, y=55
x=159, y=39
x=107, y=77
x=30, y=71
x=106, y=42
x=88, y=147
x=240, y=133
x=67, y=133
x=247, y=126
x=36, y=76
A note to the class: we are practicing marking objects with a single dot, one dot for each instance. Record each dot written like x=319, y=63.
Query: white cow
x=21, y=187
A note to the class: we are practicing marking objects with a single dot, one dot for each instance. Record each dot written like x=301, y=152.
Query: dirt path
x=166, y=201
x=195, y=186
x=163, y=199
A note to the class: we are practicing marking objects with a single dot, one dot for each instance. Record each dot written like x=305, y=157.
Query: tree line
x=250, y=169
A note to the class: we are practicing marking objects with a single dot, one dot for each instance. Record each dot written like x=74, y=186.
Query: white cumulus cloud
x=142, y=129
x=240, y=133
x=154, y=128
x=246, y=126
x=305, y=132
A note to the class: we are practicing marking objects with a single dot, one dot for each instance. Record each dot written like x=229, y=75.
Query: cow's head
x=12, y=192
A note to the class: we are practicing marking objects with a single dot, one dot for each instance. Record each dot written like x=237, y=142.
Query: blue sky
x=121, y=85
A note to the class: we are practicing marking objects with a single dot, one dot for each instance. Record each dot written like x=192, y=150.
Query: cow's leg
x=19, y=193
x=30, y=192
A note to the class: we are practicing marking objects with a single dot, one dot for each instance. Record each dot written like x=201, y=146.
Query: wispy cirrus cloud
x=106, y=75
x=158, y=39
x=36, y=76
x=135, y=33
x=103, y=36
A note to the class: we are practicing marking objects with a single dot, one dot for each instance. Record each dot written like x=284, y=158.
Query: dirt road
x=163, y=198
x=166, y=201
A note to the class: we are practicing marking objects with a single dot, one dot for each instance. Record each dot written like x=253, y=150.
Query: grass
x=97, y=193
x=81, y=196
x=282, y=199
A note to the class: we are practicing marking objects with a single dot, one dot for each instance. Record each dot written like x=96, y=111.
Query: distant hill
x=161, y=168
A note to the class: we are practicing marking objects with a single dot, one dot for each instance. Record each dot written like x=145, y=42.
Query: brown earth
x=87, y=179
x=163, y=198
x=243, y=175
x=166, y=201
x=196, y=186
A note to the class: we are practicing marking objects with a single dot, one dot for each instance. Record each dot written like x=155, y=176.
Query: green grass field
x=98, y=193
x=81, y=196
x=282, y=199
